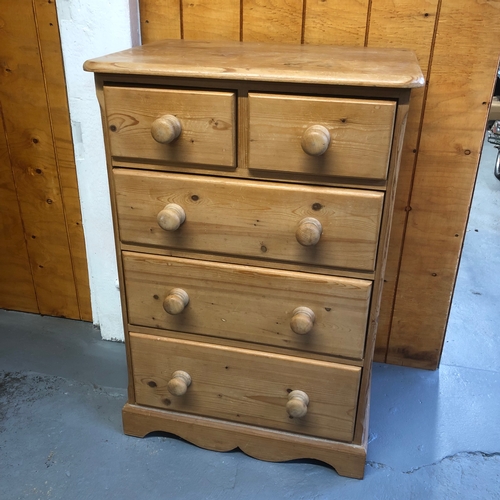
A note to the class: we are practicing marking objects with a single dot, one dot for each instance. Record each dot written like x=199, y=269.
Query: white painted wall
x=92, y=28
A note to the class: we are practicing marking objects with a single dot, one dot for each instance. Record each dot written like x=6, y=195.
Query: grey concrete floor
x=434, y=435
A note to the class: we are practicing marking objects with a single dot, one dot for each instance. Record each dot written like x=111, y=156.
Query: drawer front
x=249, y=303
x=357, y=134
x=252, y=219
x=246, y=386
x=206, y=119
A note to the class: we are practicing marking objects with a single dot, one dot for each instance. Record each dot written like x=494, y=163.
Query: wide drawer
x=206, y=120
x=251, y=218
x=357, y=134
x=246, y=386
x=250, y=304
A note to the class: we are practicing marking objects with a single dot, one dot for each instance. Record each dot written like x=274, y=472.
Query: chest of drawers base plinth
x=252, y=189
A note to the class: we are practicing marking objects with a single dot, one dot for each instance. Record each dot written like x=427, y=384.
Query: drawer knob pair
x=308, y=232
x=315, y=140
x=301, y=323
x=296, y=405
x=166, y=129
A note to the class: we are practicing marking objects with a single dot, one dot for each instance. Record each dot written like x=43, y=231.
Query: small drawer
x=301, y=311
x=192, y=126
x=320, y=136
x=331, y=227
x=246, y=386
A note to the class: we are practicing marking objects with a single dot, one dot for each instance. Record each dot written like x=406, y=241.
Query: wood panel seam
x=303, y=27
x=368, y=18
x=241, y=20
x=181, y=18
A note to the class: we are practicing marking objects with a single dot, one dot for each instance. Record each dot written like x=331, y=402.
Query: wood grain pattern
x=249, y=304
x=266, y=62
x=264, y=444
x=250, y=218
x=410, y=24
x=333, y=22
x=360, y=130
x=211, y=19
x=29, y=134
x=225, y=384
x=402, y=23
x=456, y=110
x=231, y=370
x=207, y=121
x=16, y=284
x=272, y=21
x=53, y=68
x=160, y=19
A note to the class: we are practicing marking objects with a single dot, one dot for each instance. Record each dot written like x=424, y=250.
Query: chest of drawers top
x=266, y=62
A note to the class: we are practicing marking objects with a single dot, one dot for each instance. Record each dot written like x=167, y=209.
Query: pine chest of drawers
x=252, y=192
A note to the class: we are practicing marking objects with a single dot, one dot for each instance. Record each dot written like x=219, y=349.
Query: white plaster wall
x=92, y=28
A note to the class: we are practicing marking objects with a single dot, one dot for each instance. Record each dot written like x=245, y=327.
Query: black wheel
x=497, y=166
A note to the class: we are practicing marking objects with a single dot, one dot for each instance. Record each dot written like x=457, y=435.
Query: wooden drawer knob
x=315, y=140
x=176, y=301
x=302, y=320
x=166, y=129
x=171, y=217
x=309, y=231
x=179, y=383
x=297, y=404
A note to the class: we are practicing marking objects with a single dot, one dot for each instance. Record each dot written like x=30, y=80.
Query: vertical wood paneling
x=16, y=284
x=160, y=19
x=211, y=19
x=331, y=22
x=404, y=24
x=272, y=20
x=401, y=24
x=49, y=40
x=34, y=165
x=461, y=77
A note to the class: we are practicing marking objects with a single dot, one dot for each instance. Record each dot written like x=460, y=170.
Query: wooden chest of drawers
x=252, y=189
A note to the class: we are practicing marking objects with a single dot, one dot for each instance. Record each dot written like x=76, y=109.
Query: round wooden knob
x=297, y=404
x=315, y=140
x=309, y=231
x=302, y=320
x=179, y=383
x=171, y=217
x=166, y=129
x=176, y=301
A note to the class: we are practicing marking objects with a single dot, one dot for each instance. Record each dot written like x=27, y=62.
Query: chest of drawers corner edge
x=252, y=190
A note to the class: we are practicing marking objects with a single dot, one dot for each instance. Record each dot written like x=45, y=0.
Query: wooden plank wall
x=43, y=263
x=454, y=41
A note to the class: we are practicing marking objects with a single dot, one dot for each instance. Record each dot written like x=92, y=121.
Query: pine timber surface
x=263, y=220
x=218, y=435
x=227, y=385
x=41, y=163
x=254, y=305
x=467, y=28
x=267, y=63
x=250, y=218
